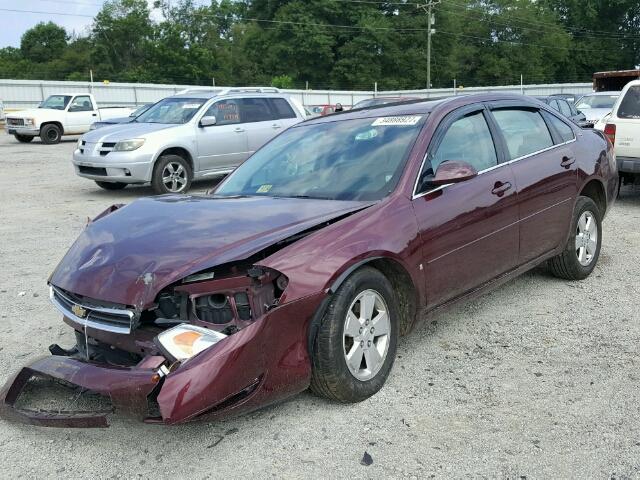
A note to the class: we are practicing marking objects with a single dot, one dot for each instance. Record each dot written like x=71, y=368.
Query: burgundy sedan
x=307, y=263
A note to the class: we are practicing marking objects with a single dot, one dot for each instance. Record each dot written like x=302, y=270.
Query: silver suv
x=191, y=135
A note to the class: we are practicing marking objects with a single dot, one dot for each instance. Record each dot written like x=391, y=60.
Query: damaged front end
x=200, y=350
x=176, y=316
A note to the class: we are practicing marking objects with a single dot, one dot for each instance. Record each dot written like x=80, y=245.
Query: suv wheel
x=50, y=134
x=171, y=174
x=355, y=347
x=111, y=185
x=581, y=253
x=23, y=138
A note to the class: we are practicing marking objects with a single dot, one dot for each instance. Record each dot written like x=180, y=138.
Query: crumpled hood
x=595, y=114
x=129, y=255
x=124, y=131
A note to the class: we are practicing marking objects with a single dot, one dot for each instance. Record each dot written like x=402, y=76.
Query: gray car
x=596, y=105
x=185, y=137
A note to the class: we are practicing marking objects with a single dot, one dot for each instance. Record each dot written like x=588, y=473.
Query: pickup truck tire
x=171, y=174
x=23, y=138
x=581, y=253
x=50, y=134
x=111, y=185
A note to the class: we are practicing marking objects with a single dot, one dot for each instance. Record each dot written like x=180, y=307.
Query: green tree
x=43, y=42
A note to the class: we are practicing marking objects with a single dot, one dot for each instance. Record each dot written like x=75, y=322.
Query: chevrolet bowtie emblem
x=79, y=311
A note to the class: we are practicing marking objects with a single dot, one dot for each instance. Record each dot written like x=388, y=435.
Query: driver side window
x=469, y=140
x=81, y=104
x=225, y=111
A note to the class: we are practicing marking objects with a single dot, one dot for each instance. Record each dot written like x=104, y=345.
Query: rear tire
x=111, y=185
x=50, y=134
x=23, y=138
x=353, y=354
x=171, y=174
x=582, y=251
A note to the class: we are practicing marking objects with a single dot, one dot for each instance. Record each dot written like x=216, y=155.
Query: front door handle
x=500, y=187
x=567, y=161
x=239, y=130
x=275, y=126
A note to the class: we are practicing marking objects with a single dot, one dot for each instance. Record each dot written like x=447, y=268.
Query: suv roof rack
x=227, y=91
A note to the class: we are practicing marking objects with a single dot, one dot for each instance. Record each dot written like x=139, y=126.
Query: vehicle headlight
x=128, y=145
x=93, y=126
x=185, y=341
x=79, y=144
x=29, y=122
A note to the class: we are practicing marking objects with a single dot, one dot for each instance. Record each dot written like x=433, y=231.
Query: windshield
x=140, y=110
x=172, y=111
x=359, y=159
x=597, y=101
x=56, y=102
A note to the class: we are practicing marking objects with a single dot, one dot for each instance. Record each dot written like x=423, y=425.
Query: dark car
x=569, y=97
x=113, y=121
x=307, y=263
x=567, y=109
x=377, y=101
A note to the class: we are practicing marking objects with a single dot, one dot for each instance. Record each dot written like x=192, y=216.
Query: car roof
x=609, y=93
x=208, y=95
x=420, y=106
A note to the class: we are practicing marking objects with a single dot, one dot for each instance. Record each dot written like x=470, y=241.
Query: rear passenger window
x=630, y=104
x=469, y=140
x=255, y=110
x=524, y=131
x=564, y=130
x=564, y=108
x=282, y=108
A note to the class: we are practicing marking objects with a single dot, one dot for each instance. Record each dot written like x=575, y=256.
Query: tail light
x=610, y=132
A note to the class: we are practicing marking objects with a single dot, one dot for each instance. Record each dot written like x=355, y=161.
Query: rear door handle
x=567, y=161
x=239, y=129
x=500, y=187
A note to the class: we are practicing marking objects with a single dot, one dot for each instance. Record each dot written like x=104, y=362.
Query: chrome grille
x=15, y=122
x=116, y=320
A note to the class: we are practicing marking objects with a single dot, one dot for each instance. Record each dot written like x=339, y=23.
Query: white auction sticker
x=403, y=120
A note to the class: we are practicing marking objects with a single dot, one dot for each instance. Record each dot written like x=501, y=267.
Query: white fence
x=20, y=94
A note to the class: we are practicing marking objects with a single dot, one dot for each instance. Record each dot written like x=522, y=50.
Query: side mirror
x=453, y=171
x=208, y=121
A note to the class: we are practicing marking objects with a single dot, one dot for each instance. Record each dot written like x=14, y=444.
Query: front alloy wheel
x=366, y=335
x=172, y=174
x=355, y=346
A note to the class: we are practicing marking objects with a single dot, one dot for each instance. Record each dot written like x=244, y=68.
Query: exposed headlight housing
x=128, y=145
x=185, y=341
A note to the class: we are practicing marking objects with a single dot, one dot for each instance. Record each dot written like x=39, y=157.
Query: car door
x=259, y=120
x=545, y=172
x=468, y=230
x=222, y=146
x=81, y=113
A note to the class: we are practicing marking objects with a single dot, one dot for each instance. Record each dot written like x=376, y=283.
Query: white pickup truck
x=58, y=115
x=622, y=126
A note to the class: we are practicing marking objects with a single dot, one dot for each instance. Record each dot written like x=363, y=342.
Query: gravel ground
x=538, y=379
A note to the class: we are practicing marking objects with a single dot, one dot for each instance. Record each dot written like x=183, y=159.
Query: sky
x=14, y=24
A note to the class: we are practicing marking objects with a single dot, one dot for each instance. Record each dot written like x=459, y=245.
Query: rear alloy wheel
x=111, y=185
x=23, y=138
x=171, y=174
x=50, y=134
x=355, y=347
x=581, y=253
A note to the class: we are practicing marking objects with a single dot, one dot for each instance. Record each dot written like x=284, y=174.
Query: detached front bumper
x=128, y=388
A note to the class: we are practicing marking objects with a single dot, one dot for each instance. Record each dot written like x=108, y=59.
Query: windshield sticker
x=264, y=188
x=368, y=135
x=404, y=120
x=191, y=105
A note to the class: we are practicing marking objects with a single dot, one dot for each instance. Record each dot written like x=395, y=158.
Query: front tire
x=582, y=251
x=356, y=343
x=111, y=185
x=50, y=134
x=23, y=138
x=171, y=174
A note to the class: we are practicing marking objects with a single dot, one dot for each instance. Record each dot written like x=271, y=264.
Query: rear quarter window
x=630, y=104
x=564, y=131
